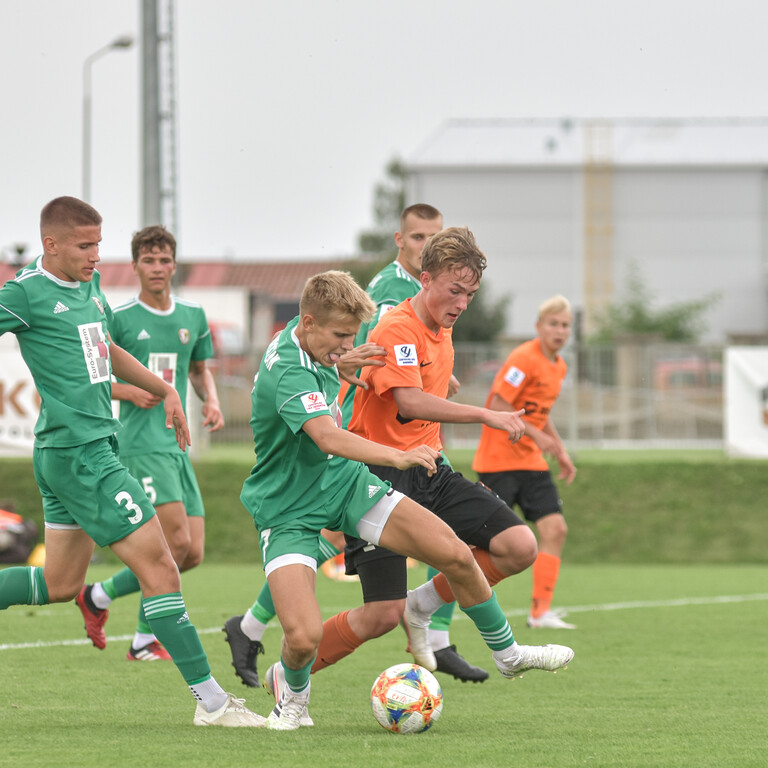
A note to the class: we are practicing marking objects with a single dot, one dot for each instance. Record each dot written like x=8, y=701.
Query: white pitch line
x=672, y=603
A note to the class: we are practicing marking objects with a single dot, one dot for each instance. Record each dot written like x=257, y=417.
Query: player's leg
x=244, y=633
x=115, y=511
x=291, y=578
x=177, y=529
x=448, y=659
x=470, y=587
x=384, y=581
x=536, y=494
x=552, y=531
x=67, y=554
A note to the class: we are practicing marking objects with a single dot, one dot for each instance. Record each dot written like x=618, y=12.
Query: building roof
x=575, y=142
x=282, y=280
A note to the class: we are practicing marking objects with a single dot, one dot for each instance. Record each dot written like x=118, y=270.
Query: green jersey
x=62, y=328
x=390, y=287
x=165, y=342
x=289, y=476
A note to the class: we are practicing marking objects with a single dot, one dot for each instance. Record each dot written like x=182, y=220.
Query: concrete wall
x=690, y=233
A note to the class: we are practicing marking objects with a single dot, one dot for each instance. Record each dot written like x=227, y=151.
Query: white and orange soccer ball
x=406, y=698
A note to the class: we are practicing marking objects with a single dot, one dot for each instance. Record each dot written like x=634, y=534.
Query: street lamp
x=124, y=41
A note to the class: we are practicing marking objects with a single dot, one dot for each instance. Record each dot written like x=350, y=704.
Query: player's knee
x=303, y=640
x=382, y=617
x=514, y=549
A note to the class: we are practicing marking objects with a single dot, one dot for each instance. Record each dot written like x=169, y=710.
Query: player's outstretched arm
x=128, y=368
x=338, y=442
x=413, y=403
x=139, y=397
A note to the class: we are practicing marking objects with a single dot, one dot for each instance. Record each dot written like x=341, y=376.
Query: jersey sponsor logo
x=143, y=335
x=373, y=490
x=313, y=402
x=514, y=376
x=425, y=363
x=405, y=354
x=60, y=308
x=95, y=351
x=163, y=364
x=184, y=335
x=98, y=304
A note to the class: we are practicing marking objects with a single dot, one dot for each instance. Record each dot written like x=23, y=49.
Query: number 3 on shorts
x=130, y=505
x=264, y=536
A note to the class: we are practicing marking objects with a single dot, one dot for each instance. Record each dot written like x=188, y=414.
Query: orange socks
x=338, y=641
x=545, y=572
x=483, y=558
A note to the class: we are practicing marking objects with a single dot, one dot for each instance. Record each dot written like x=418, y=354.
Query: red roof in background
x=283, y=280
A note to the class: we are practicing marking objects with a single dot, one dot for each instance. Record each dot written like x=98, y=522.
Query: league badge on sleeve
x=405, y=354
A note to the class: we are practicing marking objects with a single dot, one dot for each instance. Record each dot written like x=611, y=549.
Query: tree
x=481, y=321
x=388, y=204
x=635, y=315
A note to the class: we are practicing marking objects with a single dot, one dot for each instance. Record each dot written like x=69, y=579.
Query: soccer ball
x=406, y=698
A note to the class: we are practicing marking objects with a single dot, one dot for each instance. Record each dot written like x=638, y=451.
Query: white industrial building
x=570, y=206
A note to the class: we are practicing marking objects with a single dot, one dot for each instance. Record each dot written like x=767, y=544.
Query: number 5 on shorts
x=264, y=536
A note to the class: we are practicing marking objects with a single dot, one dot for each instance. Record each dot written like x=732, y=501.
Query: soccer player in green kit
x=61, y=319
x=171, y=337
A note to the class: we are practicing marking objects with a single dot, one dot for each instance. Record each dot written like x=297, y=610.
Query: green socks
x=22, y=585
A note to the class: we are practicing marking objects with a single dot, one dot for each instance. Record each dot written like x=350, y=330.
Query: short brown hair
x=453, y=249
x=420, y=211
x=334, y=294
x=68, y=212
x=154, y=236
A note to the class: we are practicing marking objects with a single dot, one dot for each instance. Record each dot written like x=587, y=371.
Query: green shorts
x=167, y=477
x=87, y=487
x=353, y=492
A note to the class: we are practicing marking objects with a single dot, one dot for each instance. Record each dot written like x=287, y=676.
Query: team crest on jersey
x=184, y=335
x=514, y=376
x=313, y=402
x=95, y=351
x=405, y=354
x=98, y=304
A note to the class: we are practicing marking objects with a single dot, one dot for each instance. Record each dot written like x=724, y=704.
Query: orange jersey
x=416, y=357
x=528, y=380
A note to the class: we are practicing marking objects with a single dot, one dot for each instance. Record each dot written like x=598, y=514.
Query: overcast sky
x=289, y=111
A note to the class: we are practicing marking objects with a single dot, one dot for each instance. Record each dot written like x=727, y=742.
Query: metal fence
x=633, y=393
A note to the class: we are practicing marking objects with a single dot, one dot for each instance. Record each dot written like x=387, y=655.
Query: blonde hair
x=554, y=305
x=453, y=249
x=335, y=294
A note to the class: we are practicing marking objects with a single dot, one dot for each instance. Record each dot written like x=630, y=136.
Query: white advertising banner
x=19, y=401
x=746, y=401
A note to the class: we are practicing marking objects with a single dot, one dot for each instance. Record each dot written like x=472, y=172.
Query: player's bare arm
x=139, y=397
x=128, y=368
x=338, y=442
x=202, y=381
x=414, y=403
x=357, y=358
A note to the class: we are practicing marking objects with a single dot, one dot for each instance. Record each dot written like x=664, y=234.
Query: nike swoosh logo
x=421, y=365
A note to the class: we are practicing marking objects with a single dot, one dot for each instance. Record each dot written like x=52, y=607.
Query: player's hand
x=510, y=421
x=567, y=468
x=175, y=418
x=453, y=386
x=213, y=418
x=350, y=362
x=143, y=399
x=423, y=456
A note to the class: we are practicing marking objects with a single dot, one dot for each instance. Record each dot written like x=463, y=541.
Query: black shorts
x=474, y=512
x=533, y=491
